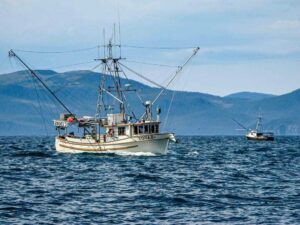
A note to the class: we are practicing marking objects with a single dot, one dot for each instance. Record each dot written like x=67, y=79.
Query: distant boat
x=257, y=134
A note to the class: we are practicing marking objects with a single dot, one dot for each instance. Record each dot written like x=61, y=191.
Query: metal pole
x=11, y=53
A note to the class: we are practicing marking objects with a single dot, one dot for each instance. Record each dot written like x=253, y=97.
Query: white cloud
x=275, y=48
x=223, y=29
x=286, y=24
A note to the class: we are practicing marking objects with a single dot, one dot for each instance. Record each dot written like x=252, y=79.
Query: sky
x=244, y=45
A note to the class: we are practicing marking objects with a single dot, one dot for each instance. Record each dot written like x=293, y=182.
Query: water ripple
x=202, y=180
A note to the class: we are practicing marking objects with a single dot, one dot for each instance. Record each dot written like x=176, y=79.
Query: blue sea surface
x=202, y=180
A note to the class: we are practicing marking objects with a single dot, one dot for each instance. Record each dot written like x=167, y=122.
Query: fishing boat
x=257, y=134
x=260, y=136
x=112, y=130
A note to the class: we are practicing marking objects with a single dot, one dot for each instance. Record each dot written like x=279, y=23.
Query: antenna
x=114, y=36
x=114, y=33
x=104, y=43
x=119, y=31
x=98, y=46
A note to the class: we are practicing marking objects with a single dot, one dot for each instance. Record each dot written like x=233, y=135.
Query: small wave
x=15, y=147
x=179, y=200
x=263, y=149
x=144, y=176
x=135, y=153
x=193, y=153
x=29, y=154
x=9, y=208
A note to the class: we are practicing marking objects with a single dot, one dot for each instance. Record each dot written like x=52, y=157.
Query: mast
x=259, y=126
x=111, y=67
x=11, y=53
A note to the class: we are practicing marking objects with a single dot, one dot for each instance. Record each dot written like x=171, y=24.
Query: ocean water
x=202, y=180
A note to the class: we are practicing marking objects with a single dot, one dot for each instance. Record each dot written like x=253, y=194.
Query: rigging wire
x=95, y=67
x=59, y=52
x=39, y=110
x=46, y=94
x=110, y=73
x=48, y=102
x=73, y=101
x=70, y=65
x=161, y=48
x=180, y=68
x=101, y=46
x=174, y=92
x=142, y=76
x=13, y=54
x=165, y=81
x=152, y=64
x=139, y=97
x=169, y=109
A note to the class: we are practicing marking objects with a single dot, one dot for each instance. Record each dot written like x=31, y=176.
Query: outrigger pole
x=177, y=72
x=164, y=88
x=241, y=125
x=11, y=53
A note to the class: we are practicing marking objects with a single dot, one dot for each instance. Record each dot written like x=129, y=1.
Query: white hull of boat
x=261, y=137
x=156, y=144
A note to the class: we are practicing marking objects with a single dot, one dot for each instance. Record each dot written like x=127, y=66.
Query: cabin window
x=135, y=129
x=156, y=129
x=146, y=129
x=141, y=129
x=121, y=130
x=152, y=128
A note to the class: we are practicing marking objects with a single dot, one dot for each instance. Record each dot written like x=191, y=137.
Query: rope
x=95, y=67
x=69, y=65
x=137, y=94
x=128, y=105
x=169, y=109
x=141, y=76
x=152, y=47
x=153, y=64
x=39, y=110
x=98, y=46
x=39, y=103
x=59, y=52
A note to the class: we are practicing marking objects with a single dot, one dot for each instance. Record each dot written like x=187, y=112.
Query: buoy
x=70, y=119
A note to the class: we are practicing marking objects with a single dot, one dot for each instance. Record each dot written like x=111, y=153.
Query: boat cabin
x=116, y=126
x=132, y=129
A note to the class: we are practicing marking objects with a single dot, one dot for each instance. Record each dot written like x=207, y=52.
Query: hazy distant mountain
x=27, y=109
x=249, y=95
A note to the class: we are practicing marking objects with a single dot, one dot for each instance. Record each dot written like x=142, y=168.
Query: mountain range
x=28, y=109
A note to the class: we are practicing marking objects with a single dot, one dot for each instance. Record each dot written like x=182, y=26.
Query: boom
x=11, y=53
x=175, y=75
